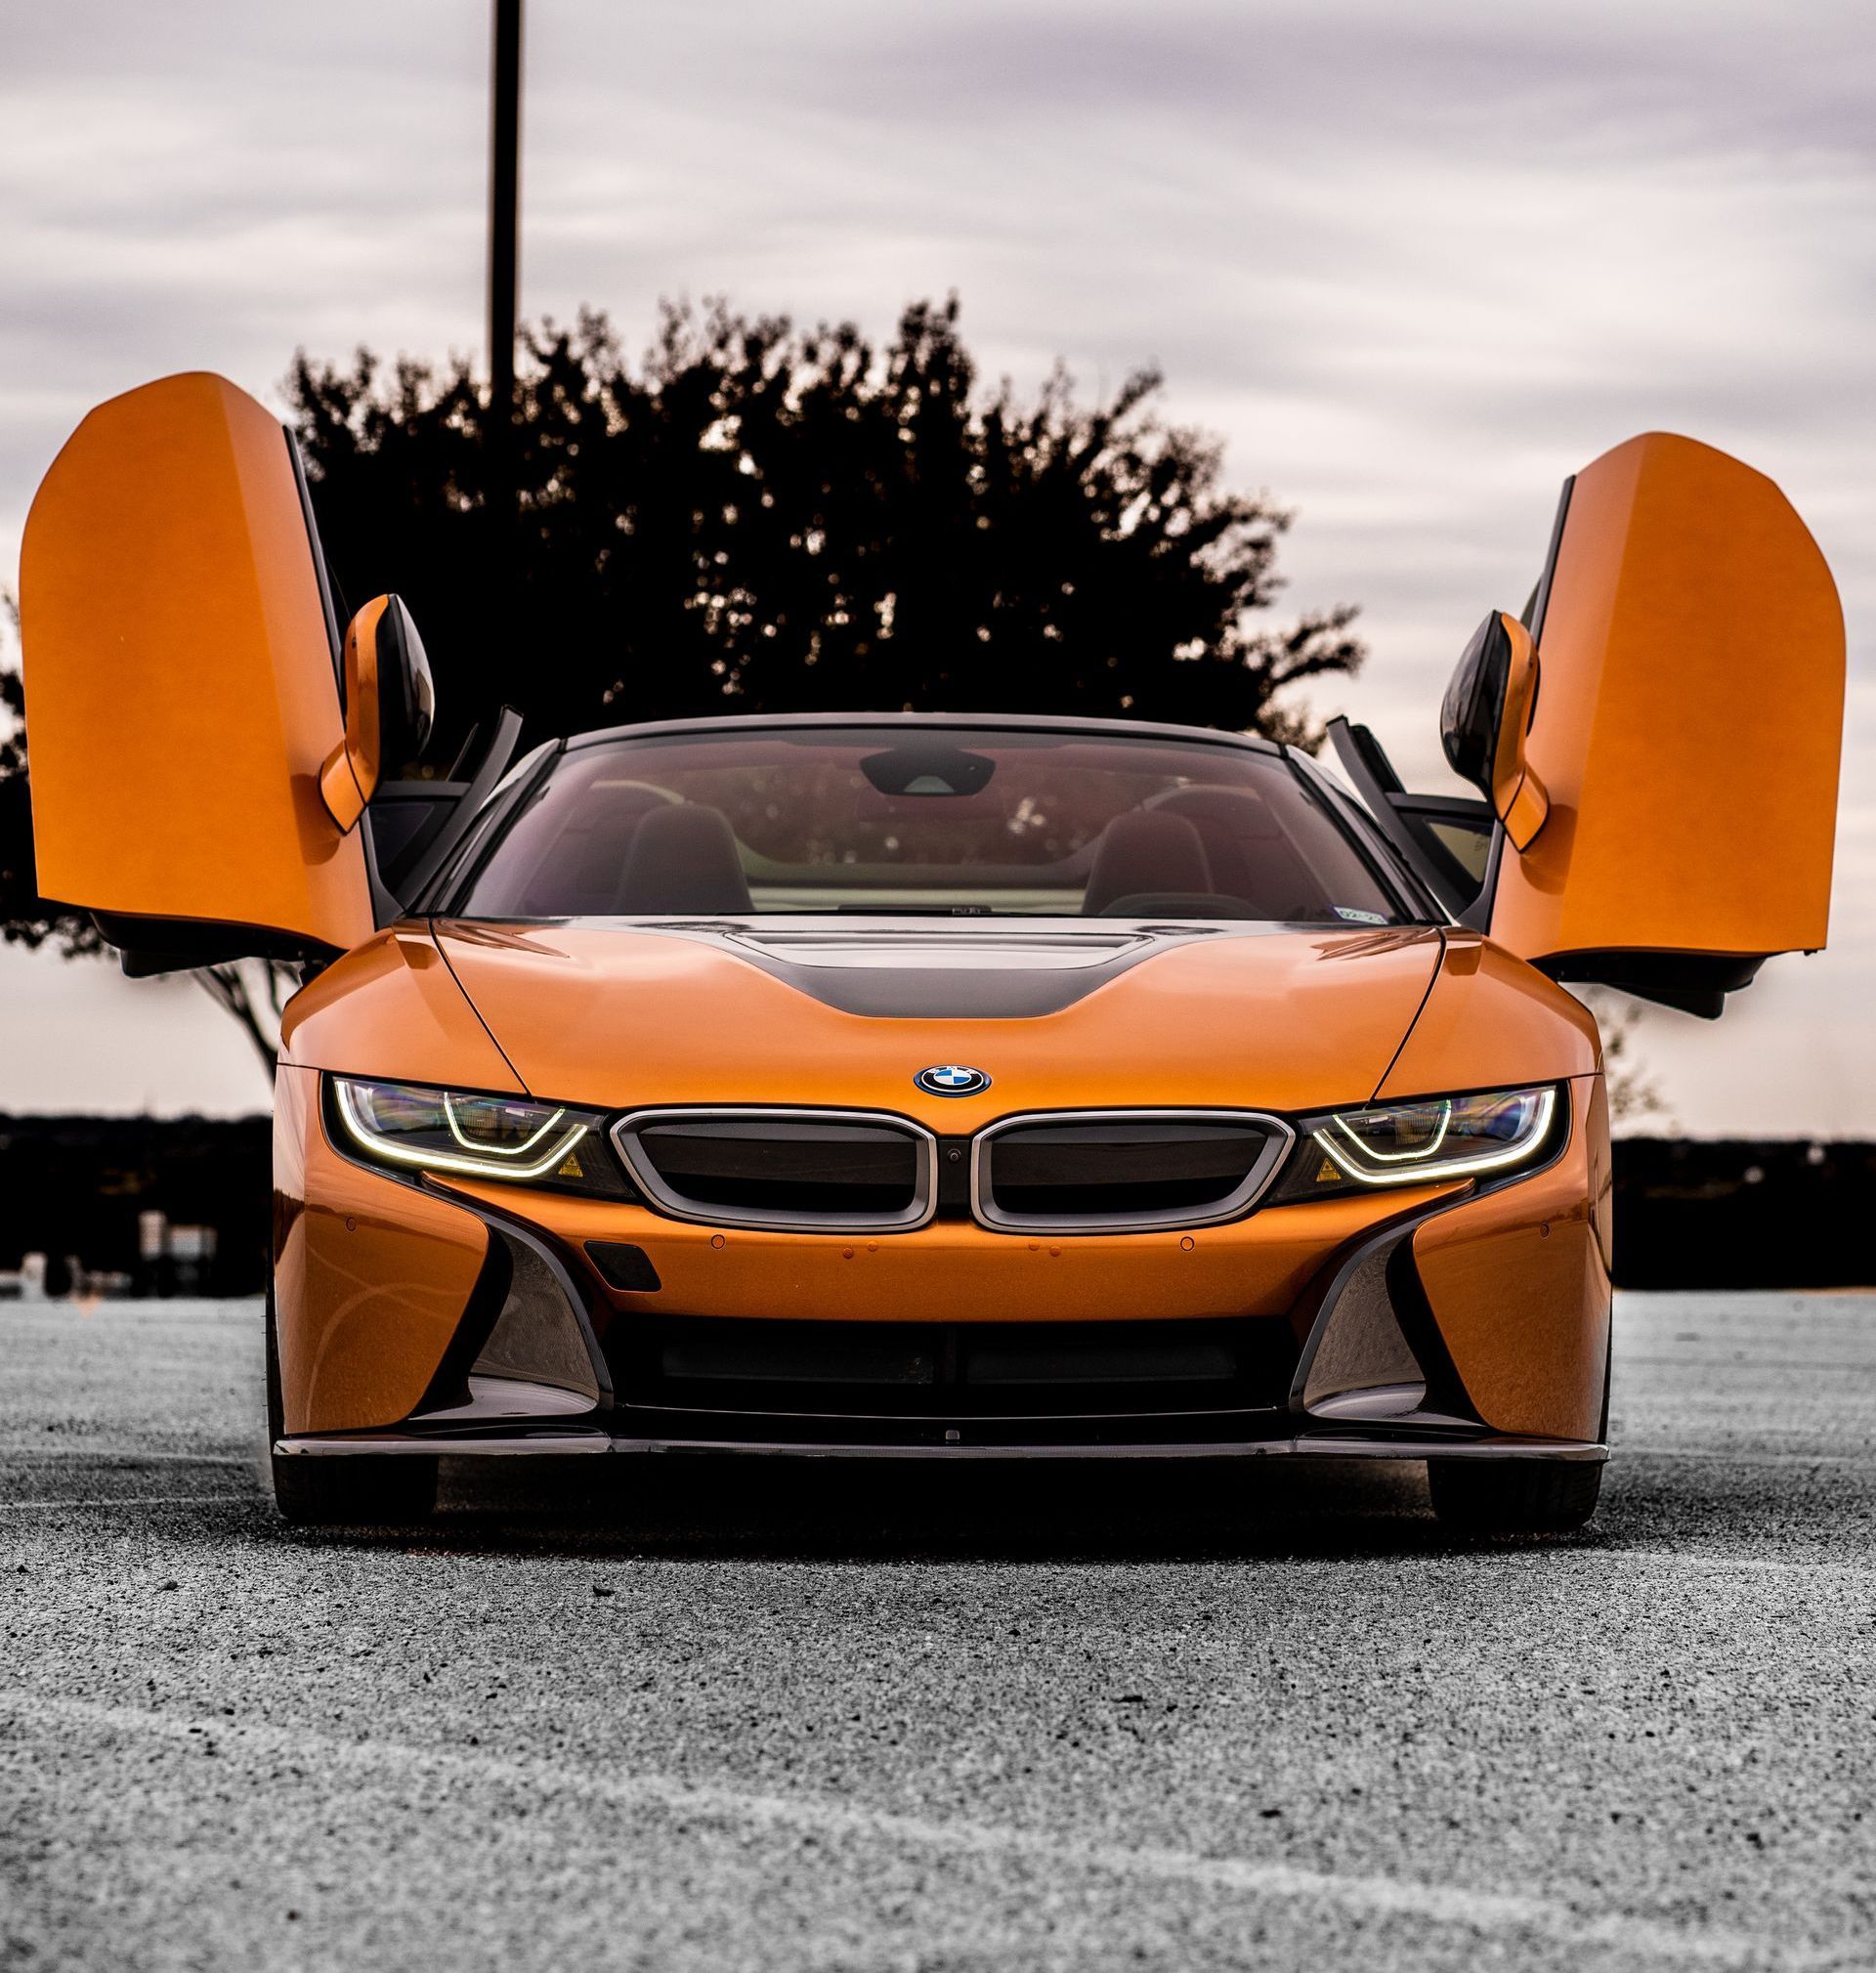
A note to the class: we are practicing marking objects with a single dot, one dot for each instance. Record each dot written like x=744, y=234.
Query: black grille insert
x=1116, y=1170
x=786, y=1169
x=718, y=1366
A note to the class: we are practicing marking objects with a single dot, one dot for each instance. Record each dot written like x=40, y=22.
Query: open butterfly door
x=183, y=687
x=1655, y=744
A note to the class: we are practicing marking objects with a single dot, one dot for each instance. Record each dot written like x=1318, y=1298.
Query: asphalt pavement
x=680, y=1716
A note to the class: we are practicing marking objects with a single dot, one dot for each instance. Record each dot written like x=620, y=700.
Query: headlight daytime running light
x=1437, y=1138
x=470, y=1144
x=448, y=1130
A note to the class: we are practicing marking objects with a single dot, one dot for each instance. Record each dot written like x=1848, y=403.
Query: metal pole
x=504, y=175
x=500, y=443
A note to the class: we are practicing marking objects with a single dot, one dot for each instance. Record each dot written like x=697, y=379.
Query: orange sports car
x=948, y=1087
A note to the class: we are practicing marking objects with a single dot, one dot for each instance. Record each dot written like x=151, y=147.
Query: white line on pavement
x=114, y=1459
x=124, y=1500
x=1728, y=1456
x=1479, y=1911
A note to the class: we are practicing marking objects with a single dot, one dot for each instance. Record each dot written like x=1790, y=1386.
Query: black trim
x=1696, y=984
x=1415, y=902
x=158, y=945
x=624, y=1267
x=321, y=568
x=1400, y=816
x=560, y=1264
x=1446, y=1394
x=448, y=1389
x=1477, y=916
x=1540, y=603
x=721, y=1377
x=405, y=819
x=954, y=1178
x=462, y=865
x=462, y=818
x=1031, y=723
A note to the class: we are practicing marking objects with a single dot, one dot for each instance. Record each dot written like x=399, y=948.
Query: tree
x=758, y=518
x=1633, y=1093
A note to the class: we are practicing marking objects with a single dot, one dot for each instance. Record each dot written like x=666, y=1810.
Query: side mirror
x=390, y=703
x=1483, y=721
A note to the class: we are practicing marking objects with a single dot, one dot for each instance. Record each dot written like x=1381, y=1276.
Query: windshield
x=895, y=819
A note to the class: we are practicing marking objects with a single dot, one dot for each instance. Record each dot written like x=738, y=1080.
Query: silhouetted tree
x=758, y=518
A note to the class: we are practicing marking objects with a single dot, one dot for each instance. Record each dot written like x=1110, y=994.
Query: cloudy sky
x=1414, y=266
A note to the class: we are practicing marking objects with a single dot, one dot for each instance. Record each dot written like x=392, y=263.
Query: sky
x=1413, y=266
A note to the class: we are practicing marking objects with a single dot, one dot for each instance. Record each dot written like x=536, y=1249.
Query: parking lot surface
x=761, y=1715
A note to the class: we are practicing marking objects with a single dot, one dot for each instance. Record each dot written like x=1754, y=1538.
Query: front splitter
x=561, y=1444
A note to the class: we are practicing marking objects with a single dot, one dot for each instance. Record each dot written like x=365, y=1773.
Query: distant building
x=172, y=1260
x=25, y=1282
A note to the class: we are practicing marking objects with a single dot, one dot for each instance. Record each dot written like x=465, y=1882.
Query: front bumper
x=558, y=1445
x=1443, y=1323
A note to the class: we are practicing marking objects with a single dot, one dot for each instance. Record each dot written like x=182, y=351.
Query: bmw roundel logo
x=952, y=1078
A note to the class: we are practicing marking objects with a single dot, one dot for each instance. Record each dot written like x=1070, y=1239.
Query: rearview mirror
x=390, y=703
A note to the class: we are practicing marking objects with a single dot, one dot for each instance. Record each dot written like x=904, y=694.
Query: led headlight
x=1425, y=1143
x=426, y=1130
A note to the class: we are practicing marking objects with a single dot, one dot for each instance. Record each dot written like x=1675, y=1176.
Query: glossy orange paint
x=1688, y=721
x=349, y=777
x=370, y=1276
x=619, y=1019
x=393, y=1009
x=1519, y=1283
x=1492, y=1022
x=180, y=687
x=957, y=1272
x=1519, y=799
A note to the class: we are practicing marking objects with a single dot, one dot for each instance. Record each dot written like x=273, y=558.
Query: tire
x=1513, y=1496
x=357, y=1492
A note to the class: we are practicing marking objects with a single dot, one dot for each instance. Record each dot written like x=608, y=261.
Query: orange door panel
x=1683, y=724
x=182, y=697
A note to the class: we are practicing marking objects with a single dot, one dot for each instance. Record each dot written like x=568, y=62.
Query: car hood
x=612, y=1015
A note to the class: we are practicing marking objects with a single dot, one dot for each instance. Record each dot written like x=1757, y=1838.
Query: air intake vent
x=1119, y=1171
x=961, y=1370
x=823, y=1172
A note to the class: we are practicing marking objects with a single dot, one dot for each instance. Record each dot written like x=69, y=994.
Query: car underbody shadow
x=765, y=1508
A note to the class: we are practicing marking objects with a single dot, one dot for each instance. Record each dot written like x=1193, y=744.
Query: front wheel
x=359, y=1491
x=1513, y=1496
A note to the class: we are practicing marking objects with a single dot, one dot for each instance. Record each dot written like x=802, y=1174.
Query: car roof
x=1020, y=722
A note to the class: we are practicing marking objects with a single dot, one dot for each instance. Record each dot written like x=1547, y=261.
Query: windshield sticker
x=1348, y=911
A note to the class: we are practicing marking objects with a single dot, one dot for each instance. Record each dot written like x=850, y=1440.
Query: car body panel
x=391, y=1007
x=179, y=675
x=371, y=1275
x=955, y=1271
x=617, y=1018
x=1518, y=1280
x=1490, y=1021
x=376, y=1275
x=1688, y=718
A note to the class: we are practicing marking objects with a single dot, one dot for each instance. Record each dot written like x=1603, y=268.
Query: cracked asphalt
x=681, y=1716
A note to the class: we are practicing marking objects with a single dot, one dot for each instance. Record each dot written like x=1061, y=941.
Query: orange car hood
x=610, y=1016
